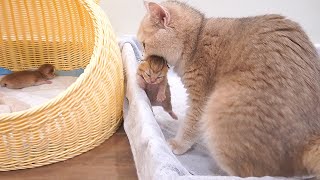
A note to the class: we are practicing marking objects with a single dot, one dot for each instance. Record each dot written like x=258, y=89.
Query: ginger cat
x=152, y=77
x=253, y=85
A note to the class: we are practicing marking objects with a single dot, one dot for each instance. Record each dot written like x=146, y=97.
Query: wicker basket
x=70, y=34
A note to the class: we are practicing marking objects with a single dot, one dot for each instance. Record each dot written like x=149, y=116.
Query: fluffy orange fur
x=152, y=77
x=253, y=85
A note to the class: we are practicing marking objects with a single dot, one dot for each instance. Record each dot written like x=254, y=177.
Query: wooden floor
x=111, y=160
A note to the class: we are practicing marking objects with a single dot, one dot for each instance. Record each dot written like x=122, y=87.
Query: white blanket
x=35, y=95
x=148, y=133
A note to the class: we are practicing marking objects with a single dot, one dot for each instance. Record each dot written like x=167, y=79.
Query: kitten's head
x=154, y=69
x=165, y=28
x=47, y=70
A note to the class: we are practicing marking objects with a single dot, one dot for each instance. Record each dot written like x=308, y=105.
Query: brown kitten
x=253, y=81
x=22, y=79
x=152, y=77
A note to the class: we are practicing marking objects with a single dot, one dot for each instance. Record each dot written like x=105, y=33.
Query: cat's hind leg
x=235, y=137
x=173, y=115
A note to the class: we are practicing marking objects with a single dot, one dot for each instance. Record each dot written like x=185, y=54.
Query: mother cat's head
x=170, y=30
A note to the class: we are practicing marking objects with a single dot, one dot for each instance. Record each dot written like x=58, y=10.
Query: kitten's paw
x=48, y=82
x=173, y=115
x=161, y=97
x=178, y=147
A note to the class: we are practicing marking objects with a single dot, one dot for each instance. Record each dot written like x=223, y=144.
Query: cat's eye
x=144, y=45
x=159, y=77
x=148, y=75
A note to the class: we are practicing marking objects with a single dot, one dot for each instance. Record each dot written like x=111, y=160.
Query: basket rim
x=94, y=10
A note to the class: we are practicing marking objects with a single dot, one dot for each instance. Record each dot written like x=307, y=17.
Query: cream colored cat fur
x=253, y=85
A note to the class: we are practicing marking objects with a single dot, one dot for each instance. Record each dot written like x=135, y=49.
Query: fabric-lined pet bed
x=70, y=34
x=147, y=132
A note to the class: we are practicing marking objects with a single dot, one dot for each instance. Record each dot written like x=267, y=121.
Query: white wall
x=125, y=15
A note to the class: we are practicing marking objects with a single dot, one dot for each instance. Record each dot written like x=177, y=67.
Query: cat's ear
x=158, y=12
x=146, y=5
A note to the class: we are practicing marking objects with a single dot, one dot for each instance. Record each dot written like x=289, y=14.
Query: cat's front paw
x=161, y=97
x=178, y=147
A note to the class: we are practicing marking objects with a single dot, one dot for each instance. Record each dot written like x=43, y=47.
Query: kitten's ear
x=158, y=12
x=146, y=4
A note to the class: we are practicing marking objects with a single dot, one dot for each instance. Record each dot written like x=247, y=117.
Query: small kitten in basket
x=152, y=77
x=22, y=79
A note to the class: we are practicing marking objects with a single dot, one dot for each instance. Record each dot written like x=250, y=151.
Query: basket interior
x=35, y=32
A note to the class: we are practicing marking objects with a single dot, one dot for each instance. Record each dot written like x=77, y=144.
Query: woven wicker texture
x=70, y=34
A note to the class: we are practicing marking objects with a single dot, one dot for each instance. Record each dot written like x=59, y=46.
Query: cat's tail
x=311, y=158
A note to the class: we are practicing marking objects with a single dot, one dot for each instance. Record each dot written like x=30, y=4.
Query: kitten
x=254, y=82
x=152, y=77
x=22, y=79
